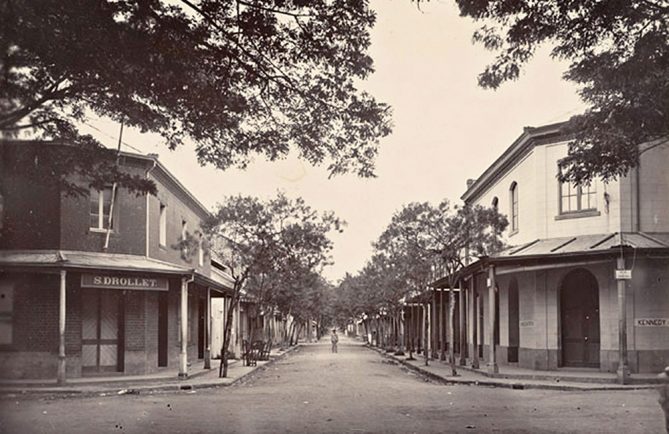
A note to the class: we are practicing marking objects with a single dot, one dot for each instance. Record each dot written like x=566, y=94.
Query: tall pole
x=183, y=354
x=492, y=363
x=461, y=320
x=623, y=371
x=207, y=331
x=61, y=329
x=442, y=317
x=475, y=321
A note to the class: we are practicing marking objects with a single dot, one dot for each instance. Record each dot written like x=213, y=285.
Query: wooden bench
x=249, y=355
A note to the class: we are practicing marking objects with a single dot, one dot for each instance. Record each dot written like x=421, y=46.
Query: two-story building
x=104, y=282
x=586, y=281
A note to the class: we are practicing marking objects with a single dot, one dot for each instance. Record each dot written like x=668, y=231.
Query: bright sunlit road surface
x=353, y=391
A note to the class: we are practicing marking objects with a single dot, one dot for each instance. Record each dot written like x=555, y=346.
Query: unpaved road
x=354, y=391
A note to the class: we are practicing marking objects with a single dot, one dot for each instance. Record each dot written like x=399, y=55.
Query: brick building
x=554, y=299
x=82, y=294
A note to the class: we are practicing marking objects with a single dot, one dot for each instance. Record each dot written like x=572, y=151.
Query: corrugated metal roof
x=92, y=260
x=586, y=244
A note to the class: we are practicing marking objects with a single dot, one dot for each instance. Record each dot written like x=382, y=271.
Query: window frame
x=579, y=194
x=162, y=225
x=103, y=219
x=514, y=207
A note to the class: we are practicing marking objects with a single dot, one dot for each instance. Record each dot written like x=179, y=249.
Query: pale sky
x=446, y=129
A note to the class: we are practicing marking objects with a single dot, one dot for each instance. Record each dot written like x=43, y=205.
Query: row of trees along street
x=274, y=251
x=422, y=243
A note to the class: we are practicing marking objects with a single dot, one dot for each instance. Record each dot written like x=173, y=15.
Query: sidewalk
x=199, y=378
x=516, y=378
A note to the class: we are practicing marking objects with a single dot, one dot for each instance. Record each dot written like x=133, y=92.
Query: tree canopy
x=238, y=78
x=274, y=250
x=619, y=54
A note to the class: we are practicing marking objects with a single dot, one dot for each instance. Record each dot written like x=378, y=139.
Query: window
x=162, y=225
x=100, y=207
x=575, y=198
x=6, y=311
x=513, y=191
x=495, y=203
x=200, y=252
x=184, y=237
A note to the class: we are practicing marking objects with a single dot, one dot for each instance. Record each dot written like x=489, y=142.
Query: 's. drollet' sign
x=124, y=282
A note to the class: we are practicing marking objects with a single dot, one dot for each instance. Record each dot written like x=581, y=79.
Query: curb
x=516, y=385
x=183, y=385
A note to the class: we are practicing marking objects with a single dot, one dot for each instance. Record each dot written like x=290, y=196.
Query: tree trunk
x=442, y=321
x=227, y=332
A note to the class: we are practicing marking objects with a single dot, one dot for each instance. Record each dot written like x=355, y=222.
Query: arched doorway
x=579, y=315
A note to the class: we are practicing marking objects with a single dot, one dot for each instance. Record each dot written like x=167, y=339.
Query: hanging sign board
x=651, y=322
x=141, y=283
x=624, y=274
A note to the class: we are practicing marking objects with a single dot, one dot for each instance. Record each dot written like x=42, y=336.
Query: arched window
x=513, y=193
x=495, y=203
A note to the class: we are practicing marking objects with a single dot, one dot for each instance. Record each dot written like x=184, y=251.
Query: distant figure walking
x=334, y=339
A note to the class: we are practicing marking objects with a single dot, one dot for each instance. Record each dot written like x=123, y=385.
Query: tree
x=258, y=237
x=619, y=54
x=236, y=77
x=444, y=237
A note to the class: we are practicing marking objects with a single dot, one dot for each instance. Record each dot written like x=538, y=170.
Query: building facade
x=91, y=285
x=555, y=298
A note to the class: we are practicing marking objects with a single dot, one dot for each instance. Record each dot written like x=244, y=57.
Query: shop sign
x=124, y=282
x=527, y=323
x=624, y=274
x=651, y=322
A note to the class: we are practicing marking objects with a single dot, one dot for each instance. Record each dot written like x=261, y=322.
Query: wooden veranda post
x=493, y=368
x=61, y=328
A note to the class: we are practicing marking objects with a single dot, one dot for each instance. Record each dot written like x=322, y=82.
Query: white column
x=623, y=371
x=492, y=364
x=207, y=331
x=183, y=354
x=461, y=321
x=475, y=321
x=61, y=329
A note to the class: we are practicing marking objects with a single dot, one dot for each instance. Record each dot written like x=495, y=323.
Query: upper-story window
x=577, y=198
x=495, y=203
x=200, y=252
x=100, y=207
x=513, y=196
x=184, y=236
x=162, y=225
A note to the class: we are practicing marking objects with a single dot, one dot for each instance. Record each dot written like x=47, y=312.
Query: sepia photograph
x=334, y=216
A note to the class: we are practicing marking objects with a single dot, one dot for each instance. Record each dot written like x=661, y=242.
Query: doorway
x=162, y=328
x=101, y=331
x=201, y=327
x=514, y=322
x=579, y=315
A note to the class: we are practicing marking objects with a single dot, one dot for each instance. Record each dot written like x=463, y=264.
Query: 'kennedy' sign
x=124, y=282
x=651, y=322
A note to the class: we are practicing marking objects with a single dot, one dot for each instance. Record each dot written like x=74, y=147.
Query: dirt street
x=355, y=391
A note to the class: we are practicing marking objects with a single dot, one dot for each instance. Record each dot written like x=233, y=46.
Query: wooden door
x=579, y=304
x=100, y=331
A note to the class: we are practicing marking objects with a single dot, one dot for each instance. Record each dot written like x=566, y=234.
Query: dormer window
x=513, y=199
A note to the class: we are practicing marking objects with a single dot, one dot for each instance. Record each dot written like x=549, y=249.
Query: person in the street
x=334, y=339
